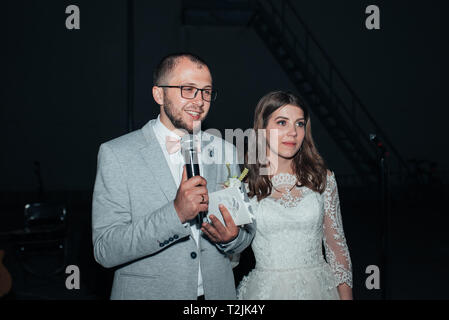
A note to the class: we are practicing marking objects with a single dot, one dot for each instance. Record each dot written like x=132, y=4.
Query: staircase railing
x=321, y=68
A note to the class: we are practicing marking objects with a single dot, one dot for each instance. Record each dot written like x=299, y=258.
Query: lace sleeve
x=337, y=252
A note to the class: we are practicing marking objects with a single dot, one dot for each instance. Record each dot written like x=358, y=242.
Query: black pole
x=40, y=190
x=384, y=196
x=386, y=227
x=130, y=64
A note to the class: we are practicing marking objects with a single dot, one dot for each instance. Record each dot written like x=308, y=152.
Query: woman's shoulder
x=330, y=176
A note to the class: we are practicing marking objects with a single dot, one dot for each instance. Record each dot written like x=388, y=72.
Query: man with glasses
x=145, y=207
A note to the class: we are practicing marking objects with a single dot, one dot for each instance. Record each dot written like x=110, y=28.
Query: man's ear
x=158, y=95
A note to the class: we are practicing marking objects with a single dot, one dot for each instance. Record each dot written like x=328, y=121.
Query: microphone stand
x=384, y=194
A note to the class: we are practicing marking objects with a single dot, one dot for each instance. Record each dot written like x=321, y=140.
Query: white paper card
x=232, y=199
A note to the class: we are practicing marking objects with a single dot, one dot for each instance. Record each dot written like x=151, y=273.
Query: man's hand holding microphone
x=192, y=198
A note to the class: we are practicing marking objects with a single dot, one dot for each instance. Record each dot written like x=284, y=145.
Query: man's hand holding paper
x=216, y=231
x=224, y=227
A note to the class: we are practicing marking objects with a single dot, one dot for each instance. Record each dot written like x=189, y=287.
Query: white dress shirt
x=176, y=162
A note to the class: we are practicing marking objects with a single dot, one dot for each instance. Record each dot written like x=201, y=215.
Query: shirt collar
x=162, y=131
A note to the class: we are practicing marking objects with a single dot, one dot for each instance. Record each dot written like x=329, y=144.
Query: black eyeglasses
x=189, y=92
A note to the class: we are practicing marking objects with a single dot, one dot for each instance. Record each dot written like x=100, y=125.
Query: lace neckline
x=291, y=194
x=283, y=179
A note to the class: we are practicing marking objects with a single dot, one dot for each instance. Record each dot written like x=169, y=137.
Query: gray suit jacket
x=137, y=230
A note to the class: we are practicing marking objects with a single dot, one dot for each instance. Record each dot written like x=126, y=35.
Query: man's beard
x=177, y=121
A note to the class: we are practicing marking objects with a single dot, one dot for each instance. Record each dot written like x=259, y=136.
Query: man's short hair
x=168, y=63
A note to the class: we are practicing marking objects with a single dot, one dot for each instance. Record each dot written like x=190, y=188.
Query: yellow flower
x=227, y=183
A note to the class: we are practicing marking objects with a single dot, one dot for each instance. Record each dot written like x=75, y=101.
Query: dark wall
x=65, y=91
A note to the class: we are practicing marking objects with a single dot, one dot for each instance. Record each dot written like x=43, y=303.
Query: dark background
x=64, y=92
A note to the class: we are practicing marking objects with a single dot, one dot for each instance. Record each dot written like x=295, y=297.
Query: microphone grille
x=187, y=142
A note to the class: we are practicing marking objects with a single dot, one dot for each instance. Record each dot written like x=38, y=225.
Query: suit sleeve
x=119, y=238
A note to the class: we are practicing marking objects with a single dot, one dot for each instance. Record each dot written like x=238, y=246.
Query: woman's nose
x=292, y=131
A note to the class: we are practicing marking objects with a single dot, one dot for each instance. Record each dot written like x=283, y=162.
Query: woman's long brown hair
x=307, y=164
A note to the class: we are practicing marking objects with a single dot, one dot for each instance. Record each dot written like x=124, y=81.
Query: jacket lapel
x=209, y=167
x=154, y=157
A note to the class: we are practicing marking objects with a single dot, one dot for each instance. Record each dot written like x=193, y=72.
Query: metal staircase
x=315, y=76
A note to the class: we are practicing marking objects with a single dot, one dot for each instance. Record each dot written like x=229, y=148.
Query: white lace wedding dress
x=292, y=225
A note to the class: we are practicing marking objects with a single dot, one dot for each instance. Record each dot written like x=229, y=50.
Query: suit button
x=175, y=236
x=161, y=245
x=166, y=242
x=193, y=255
x=170, y=239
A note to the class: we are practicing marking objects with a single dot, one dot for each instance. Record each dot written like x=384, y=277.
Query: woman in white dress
x=296, y=206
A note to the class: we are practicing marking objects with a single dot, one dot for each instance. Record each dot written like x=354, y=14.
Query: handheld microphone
x=190, y=154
